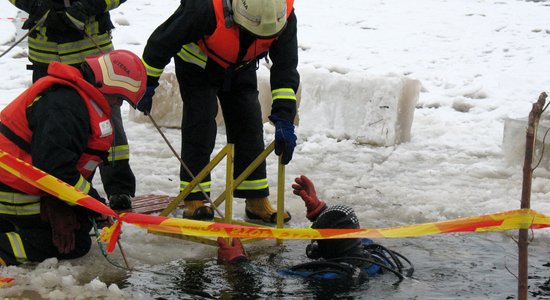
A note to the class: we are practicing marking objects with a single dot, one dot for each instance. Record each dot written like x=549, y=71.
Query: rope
x=167, y=142
x=39, y=23
x=184, y=165
x=127, y=268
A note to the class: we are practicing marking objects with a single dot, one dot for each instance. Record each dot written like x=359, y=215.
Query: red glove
x=305, y=189
x=227, y=253
x=62, y=219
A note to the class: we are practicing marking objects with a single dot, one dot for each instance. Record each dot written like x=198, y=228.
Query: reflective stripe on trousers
x=205, y=186
x=19, y=204
x=252, y=185
x=17, y=247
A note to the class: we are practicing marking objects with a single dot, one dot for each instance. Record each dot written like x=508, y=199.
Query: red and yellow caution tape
x=514, y=219
x=6, y=281
x=51, y=184
x=14, y=19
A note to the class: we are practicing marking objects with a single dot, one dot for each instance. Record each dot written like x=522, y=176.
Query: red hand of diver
x=305, y=189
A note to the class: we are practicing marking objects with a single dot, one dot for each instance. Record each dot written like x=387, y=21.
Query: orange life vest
x=223, y=45
x=14, y=120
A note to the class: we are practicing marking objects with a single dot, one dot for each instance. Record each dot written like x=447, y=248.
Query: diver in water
x=332, y=259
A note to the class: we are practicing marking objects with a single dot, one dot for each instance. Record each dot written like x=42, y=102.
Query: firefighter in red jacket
x=61, y=125
x=217, y=46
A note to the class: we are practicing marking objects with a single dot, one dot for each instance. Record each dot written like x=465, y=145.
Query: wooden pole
x=523, y=239
x=281, y=197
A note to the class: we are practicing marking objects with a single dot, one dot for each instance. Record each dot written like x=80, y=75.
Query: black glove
x=56, y=20
x=146, y=103
x=63, y=221
x=77, y=14
x=285, y=139
x=38, y=13
x=103, y=221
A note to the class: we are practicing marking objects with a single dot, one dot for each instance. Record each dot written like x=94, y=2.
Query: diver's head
x=341, y=217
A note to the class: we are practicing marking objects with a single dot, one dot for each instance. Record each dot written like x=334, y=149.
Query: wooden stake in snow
x=523, y=243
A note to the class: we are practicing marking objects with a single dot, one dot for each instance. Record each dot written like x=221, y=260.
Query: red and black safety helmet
x=120, y=73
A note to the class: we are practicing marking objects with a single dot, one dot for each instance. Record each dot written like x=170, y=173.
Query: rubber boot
x=261, y=209
x=196, y=210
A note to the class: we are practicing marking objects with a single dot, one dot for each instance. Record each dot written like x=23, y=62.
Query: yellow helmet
x=263, y=18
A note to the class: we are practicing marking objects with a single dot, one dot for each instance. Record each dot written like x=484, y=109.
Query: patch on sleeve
x=106, y=128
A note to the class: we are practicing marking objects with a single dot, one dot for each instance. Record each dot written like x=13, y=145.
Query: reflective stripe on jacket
x=57, y=41
x=42, y=50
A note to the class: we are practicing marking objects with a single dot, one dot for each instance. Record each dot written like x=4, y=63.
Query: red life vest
x=14, y=118
x=223, y=45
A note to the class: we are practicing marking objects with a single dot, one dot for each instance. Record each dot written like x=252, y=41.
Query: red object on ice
x=6, y=281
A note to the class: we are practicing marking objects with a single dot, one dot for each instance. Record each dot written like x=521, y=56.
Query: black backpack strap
x=14, y=138
x=104, y=155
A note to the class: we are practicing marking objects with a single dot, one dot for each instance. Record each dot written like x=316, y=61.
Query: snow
x=375, y=110
x=478, y=62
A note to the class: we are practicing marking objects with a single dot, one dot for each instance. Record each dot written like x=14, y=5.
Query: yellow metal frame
x=227, y=195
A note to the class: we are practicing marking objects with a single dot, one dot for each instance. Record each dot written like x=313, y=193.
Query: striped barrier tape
x=514, y=219
x=14, y=19
x=51, y=184
x=6, y=281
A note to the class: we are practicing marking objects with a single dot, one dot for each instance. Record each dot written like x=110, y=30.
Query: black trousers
x=30, y=236
x=117, y=177
x=238, y=96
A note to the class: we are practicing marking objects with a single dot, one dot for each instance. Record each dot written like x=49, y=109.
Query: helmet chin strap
x=227, y=13
x=114, y=100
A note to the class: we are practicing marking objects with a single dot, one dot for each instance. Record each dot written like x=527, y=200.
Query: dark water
x=452, y=266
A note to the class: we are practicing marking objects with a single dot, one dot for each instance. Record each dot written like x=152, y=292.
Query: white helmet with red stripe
x=121, y=73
